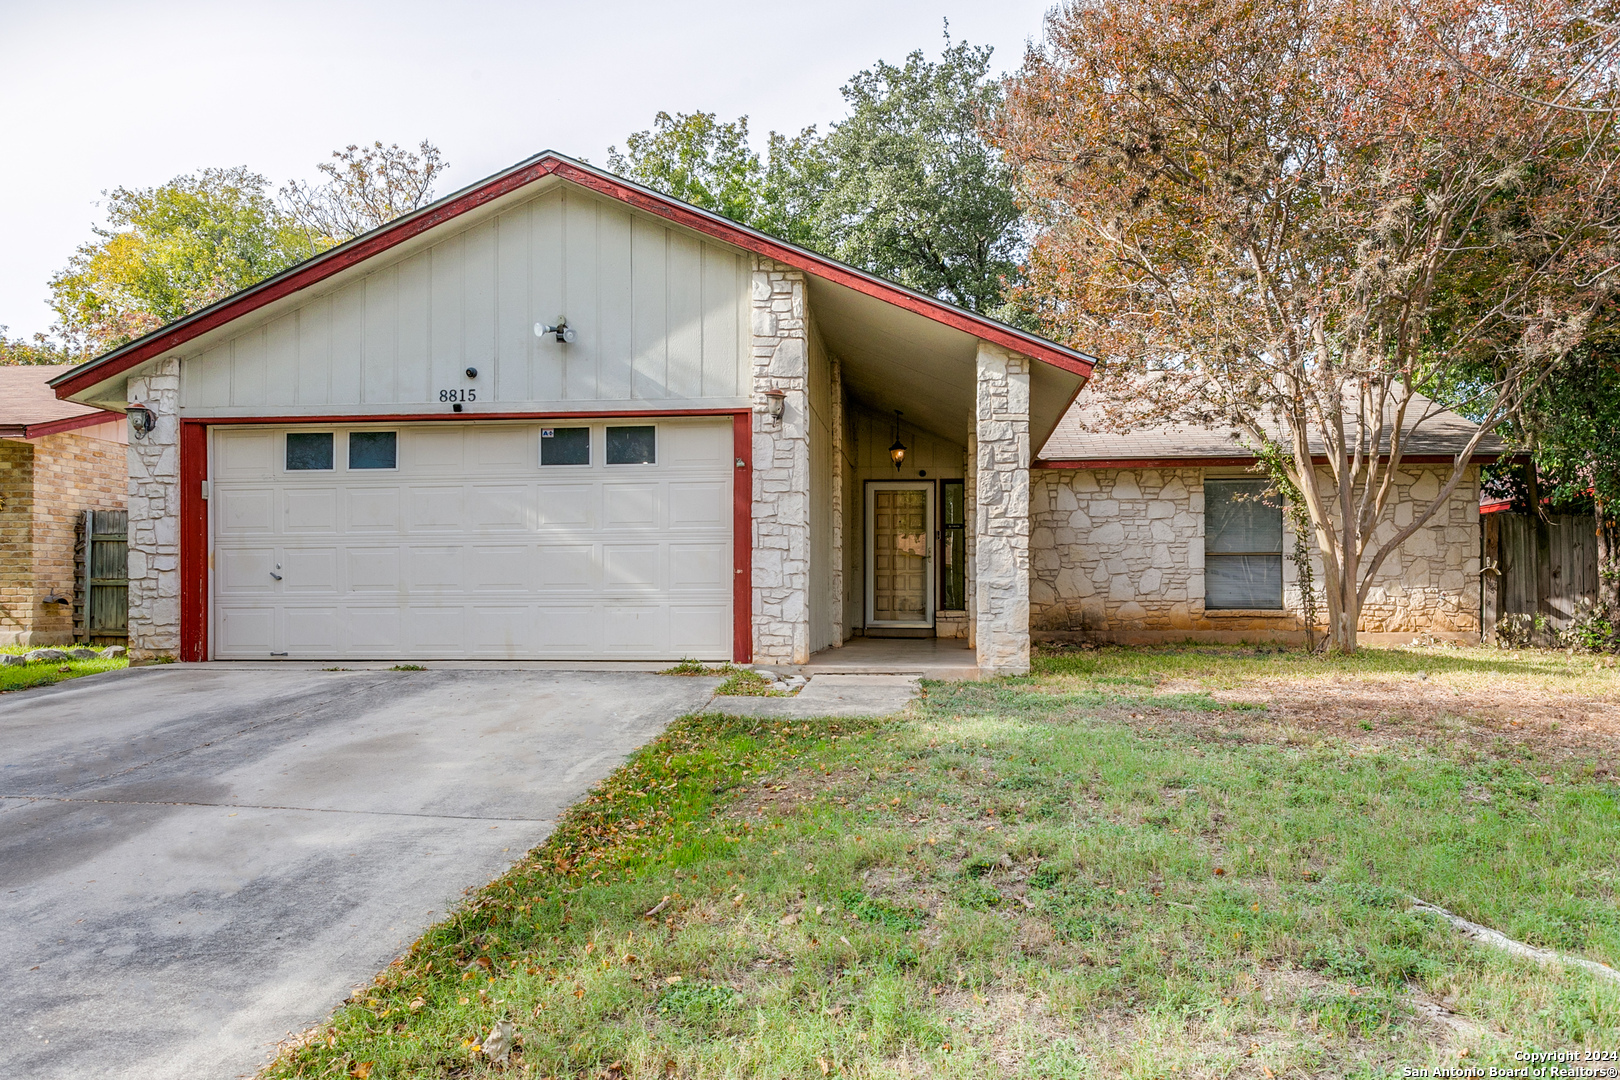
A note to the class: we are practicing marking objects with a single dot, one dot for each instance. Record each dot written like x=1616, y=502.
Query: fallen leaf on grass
x=787, y=920
x=360, y=1070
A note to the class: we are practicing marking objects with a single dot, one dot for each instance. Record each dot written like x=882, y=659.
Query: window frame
x=1282, y=543
x=607, y=453
x=590, y=450
x=348, y=451
x=286, y=451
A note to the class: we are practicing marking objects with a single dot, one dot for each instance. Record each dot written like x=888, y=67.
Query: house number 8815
x=458, y=395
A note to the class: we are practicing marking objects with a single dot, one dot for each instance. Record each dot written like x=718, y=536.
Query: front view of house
x=559, y=416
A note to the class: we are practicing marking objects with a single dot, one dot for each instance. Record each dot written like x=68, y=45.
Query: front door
x=900, y=554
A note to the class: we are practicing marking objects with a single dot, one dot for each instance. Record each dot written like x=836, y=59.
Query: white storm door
x=900, y=554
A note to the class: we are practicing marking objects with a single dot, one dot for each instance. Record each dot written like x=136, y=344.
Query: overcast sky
x=99, y=95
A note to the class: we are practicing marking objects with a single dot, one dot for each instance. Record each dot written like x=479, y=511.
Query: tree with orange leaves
x=1309, y=220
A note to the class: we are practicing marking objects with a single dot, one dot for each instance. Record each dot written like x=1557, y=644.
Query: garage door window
x=309, y=451
x=565, y=446
x=373, y=449
x=632, y=445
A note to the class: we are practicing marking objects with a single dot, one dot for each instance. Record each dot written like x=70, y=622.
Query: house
x=58, y=460
x=557, y=415
x=1165, y=533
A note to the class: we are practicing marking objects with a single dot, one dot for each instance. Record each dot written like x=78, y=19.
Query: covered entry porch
x=909, y=516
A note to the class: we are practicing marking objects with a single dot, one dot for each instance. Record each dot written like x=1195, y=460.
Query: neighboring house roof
x=361, y=248
x=28, y=408
x=1084, y=439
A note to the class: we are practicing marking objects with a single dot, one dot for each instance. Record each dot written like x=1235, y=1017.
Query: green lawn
x=1126, y=865
x=47, y=672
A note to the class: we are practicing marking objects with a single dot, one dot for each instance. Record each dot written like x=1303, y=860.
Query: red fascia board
x=1193, y=462
x=417, y=418
x=71, y=423
x=1496, y=506
x=346, y=255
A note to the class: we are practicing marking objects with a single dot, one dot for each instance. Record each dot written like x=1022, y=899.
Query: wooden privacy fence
x=101, y=611
x=1544, y=566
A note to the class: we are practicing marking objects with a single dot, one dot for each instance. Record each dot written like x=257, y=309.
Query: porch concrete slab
x=197, y=860
x=828, y=695
x=928, y=658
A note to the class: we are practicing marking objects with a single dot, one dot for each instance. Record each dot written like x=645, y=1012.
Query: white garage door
x=473, y=540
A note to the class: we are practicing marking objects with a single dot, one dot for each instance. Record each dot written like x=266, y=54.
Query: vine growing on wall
x=1273, y=460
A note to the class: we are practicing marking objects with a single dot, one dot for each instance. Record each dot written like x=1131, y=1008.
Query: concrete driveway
x=197, y=860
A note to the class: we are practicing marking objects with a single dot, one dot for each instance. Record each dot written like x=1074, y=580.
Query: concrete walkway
x=829, y=695
x=927, y=658
x=196, y=861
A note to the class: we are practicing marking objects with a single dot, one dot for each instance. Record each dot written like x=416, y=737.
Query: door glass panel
x=899, y=556
x=953, y=512
x=632, y=445
x=373, y=449
x=565, y=446
x=309, y=450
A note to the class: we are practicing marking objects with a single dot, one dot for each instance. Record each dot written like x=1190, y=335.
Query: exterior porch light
x=775, y=402
x=141, y=421
x=561, y=329
x=897, y=452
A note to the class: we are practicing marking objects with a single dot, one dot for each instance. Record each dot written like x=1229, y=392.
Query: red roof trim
x=1495, y=506
x=364, y=247
x=56, y=427
x=1187, y=462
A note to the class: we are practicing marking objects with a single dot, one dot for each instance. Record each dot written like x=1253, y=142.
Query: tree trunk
x=1608, y=561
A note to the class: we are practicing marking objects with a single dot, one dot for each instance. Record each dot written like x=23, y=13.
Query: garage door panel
x=369, y=509
x=630, y=505
x=311, y=631
x=568, y=506
x=310, y=511
x=442, y=508
x=244, y=511
x=695, y=505
x=435, y=450
x=245, y=455
x=310, y=570
x=250, y=631
x=440, y=630
x=473, y=548
x=506, y=507
x=434, y=568
x=632, y=566
x=375, y=631
x=503, y=631
x=503, y=568
x=373, y=569
x=568, y=566
x=700, y=566
x=245, y=570
x=639, y=630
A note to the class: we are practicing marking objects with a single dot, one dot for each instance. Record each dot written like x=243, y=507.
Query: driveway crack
x=265, y=806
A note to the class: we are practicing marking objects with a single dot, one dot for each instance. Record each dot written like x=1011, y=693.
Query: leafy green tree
x=39, y=349
x=914, y=193
x=904, y=186
x=167, y=251
x=709, y=163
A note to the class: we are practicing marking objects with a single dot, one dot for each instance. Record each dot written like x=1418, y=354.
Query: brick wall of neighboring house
x=1118, y=555
x=48, y=483
x=16, y=540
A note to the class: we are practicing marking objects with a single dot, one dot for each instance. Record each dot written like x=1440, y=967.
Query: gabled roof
x=1085, y=439
x=29, y=410
x=328, y=263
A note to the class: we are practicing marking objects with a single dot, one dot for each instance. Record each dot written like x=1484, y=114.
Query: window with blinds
x=1243, y=544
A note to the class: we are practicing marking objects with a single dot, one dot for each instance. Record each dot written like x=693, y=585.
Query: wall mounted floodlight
x=562, y=330
x=775, y=403
x=141, y=421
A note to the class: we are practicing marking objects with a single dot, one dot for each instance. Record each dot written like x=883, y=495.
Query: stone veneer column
x=781, y=361
x=154, y=516
x=1001, y=513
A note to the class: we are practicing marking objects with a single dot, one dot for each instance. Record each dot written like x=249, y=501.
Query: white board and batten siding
x=470, y=548
x=661, y=318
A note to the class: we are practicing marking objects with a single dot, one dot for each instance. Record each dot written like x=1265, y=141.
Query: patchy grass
x=408, y=667
x=745, y=683
x=47, y=673
x=1118, y=866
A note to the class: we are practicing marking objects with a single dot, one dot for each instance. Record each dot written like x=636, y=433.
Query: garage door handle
x=275, y=575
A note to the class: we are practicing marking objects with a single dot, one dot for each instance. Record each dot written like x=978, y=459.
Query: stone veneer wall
x=1118, y=555
x=781, y=500
x=1001, y=567
x=154, y=516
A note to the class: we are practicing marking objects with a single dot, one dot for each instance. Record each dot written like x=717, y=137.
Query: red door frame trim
x=194, y=554
x=194, y=538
